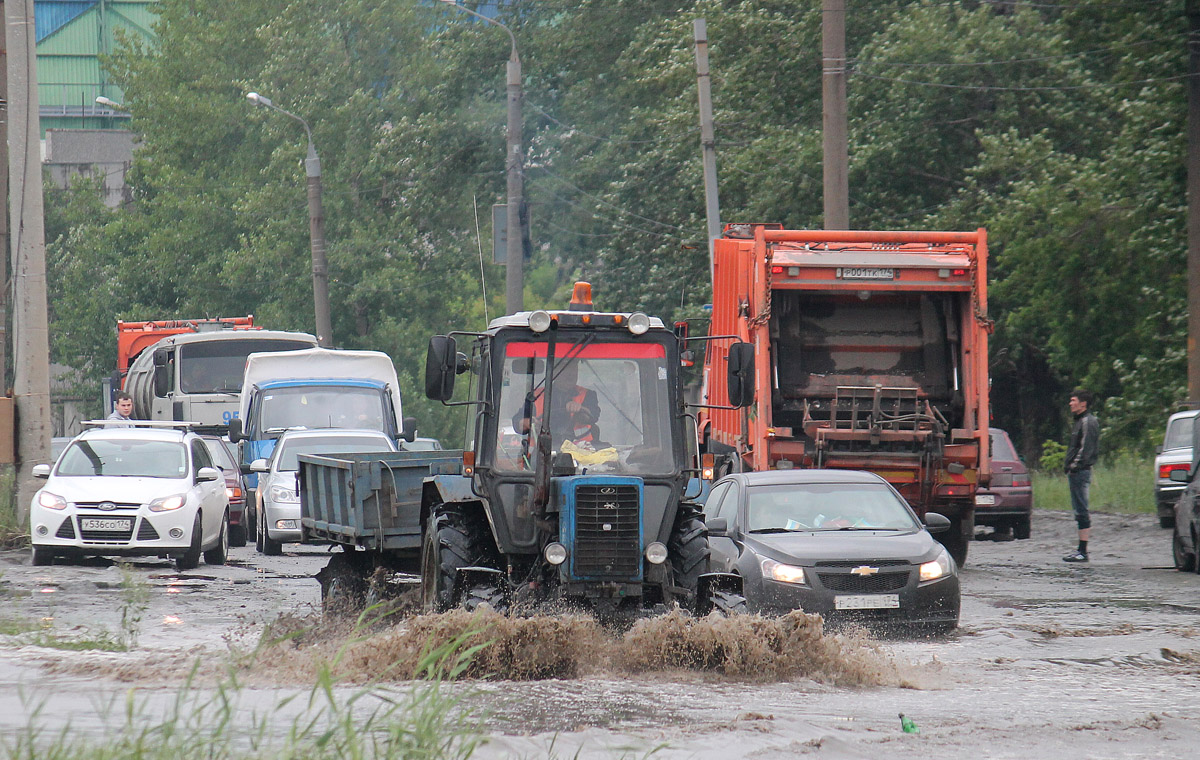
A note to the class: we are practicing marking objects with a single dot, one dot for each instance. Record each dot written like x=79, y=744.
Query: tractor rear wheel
x=450, y=544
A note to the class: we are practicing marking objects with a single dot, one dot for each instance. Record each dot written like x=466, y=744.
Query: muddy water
x=1051, y=660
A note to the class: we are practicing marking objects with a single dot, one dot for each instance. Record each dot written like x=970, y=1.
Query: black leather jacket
x=1085, y=443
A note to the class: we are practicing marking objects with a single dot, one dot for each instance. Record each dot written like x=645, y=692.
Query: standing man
x=1081, y=455
x=121, y=411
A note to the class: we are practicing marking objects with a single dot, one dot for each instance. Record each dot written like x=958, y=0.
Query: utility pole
x=514, y=264
x=316, y=238
x=1192, y=10
x=833, y=92
x=31, y=341
x=4, y=284
x=708, y=145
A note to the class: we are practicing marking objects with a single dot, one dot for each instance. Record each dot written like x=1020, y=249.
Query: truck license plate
x=97, y=523
x=985, y=500
x=867, y=602
x=866, y=273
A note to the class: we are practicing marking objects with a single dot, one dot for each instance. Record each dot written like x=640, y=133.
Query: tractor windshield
x=608, y=406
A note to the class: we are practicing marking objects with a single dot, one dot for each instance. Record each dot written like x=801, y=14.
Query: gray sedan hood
x=849, y=545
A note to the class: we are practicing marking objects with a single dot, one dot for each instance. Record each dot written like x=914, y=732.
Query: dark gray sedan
x=841, y=543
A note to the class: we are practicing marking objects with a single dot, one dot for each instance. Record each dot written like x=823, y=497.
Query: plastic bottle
x=908, y=726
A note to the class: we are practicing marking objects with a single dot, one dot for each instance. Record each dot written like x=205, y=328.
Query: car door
x=722, y=502
x=212, y=493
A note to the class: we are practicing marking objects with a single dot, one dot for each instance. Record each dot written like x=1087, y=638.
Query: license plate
x=97, y=523
x=866, y=273
x=985, y=500
x=867, y=602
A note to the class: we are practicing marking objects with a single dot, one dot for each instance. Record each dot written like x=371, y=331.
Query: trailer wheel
x=447, y=548
x=687, y=548
x=343, y=584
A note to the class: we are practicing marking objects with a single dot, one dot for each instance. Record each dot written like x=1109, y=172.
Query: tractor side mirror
x=741, y=374
x=441, y=363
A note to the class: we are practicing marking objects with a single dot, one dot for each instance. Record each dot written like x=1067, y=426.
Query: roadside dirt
x=1051, y=660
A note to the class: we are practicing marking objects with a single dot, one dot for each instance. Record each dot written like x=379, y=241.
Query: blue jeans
x=1080, y=482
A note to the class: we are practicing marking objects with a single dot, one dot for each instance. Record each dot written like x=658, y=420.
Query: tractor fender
x=710, y=582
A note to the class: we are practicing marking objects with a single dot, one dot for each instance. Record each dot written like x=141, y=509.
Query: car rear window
x=126, y=458
x=1002, y=448
x=1179, y=433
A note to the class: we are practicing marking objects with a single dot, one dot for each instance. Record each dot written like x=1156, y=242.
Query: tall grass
x=13, y=533
x=421, y=721
x=1122, y=483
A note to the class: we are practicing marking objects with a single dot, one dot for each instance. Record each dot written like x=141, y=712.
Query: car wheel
x=250, y=520
x=258, y=535
x=42, y=556
x=1022, y=528
x=269, y=546
x=1184, y=561
x=237, y=534
x=219, y=553
x=190, y=559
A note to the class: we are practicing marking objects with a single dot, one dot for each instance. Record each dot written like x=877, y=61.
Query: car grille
x=66, y=530
x=146, y=531
x=878, y=583
x=607, y=532
x=96, y=505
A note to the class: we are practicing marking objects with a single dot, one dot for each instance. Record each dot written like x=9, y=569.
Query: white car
x=278, y=498
x=141, y=490
x=1175, y=453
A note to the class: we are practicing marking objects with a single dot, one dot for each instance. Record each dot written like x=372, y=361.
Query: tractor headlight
x=638, y=323
x=656, y=553
x=555, y=553
x=539, y=321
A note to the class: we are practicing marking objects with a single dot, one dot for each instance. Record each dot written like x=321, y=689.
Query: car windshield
x=291, y=450
x=322, y=406
x=220, y=454
x=610, y=406
x=213, y=366
x=124, y=458
x=1179, y=433
x=826, y=507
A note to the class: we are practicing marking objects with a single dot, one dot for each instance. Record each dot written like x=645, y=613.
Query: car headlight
x=51, y=500
x=284, y=494
x=777, y=571
x=938, y=568
x=168, y=503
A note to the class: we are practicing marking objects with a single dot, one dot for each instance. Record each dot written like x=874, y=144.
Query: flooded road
x=1051, y=660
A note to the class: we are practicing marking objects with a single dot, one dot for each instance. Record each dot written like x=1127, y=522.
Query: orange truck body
x=135, y=337
x=870, y=353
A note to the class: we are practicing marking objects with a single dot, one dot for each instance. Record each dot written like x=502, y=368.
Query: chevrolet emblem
x=864, y=570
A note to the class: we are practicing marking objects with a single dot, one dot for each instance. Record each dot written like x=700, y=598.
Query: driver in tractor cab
x=574, y=412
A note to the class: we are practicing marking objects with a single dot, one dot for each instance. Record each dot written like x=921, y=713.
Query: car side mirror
x=441, y=364
x=410, y=429
x=260, y=465
x=208, y=474
x=741, y=374
x=936, y=522
x=1180, y=476
x=41, y=471
x=717, y=526
x=235, y=430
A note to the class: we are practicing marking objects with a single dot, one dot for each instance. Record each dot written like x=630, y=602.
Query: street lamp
x=514, y=286
x=316, y=225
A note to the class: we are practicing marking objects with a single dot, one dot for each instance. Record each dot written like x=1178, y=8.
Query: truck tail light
x=1165, y=470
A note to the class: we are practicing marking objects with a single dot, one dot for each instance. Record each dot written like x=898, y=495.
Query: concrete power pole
x=31, y=340
x=1192, y=9
x=833, y=92
x=712, y=203
x=514, y=256
x=4, y=289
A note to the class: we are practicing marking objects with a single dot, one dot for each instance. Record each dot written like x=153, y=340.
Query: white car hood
x=126, y=490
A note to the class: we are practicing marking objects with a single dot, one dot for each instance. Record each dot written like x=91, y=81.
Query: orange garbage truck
x=871, y=353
